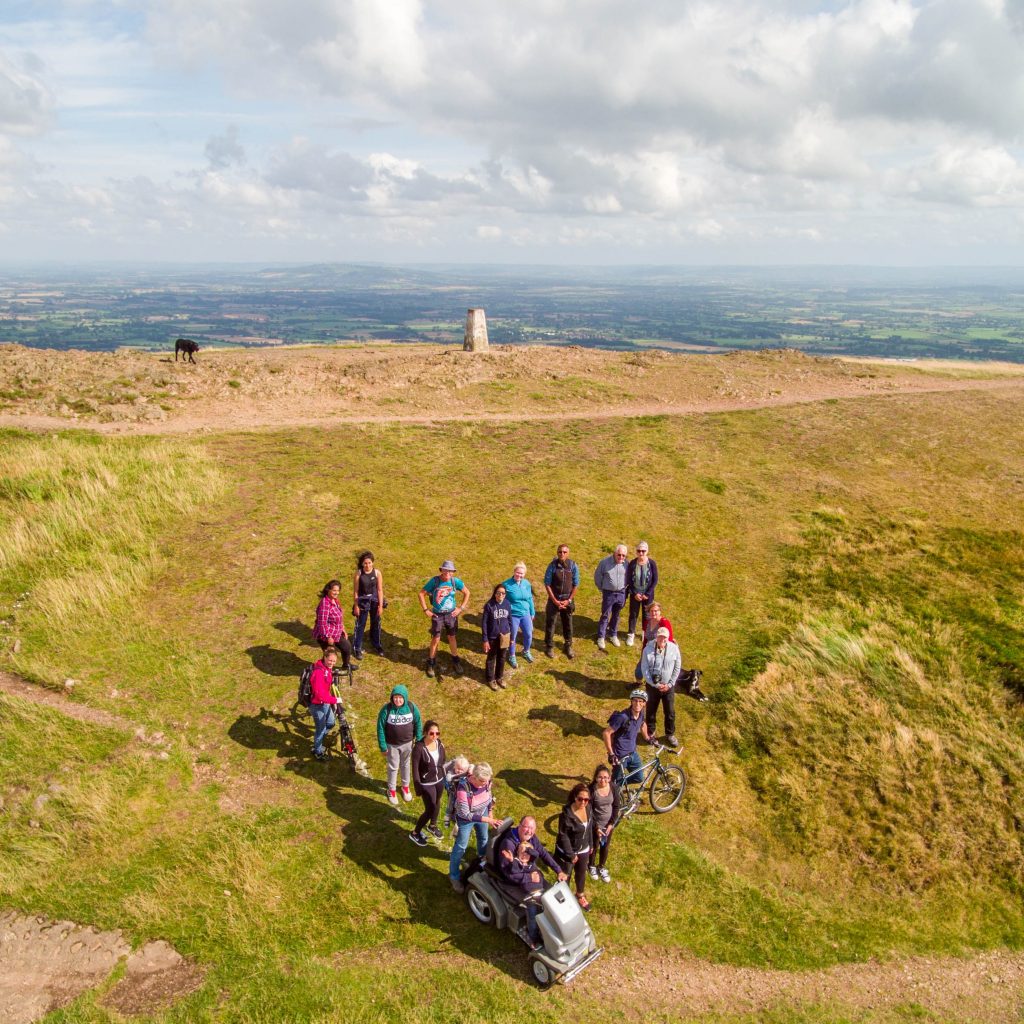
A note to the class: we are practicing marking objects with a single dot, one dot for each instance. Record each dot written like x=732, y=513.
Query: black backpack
x=305, y=697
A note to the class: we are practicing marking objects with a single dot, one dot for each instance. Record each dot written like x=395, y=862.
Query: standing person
x=322, y=701
x=367, y=601
x=610, y=579
x=653, y=619
x=641, y=579
x=576, y=839
x=496, y=629
x=473, y=803
x=445, y=608
x=329, y=628
x=620, y=737
x=604, y=801
x=520, y=597
x=561, y=581
x=660, y=664
x=428, y=770
x=398, y=727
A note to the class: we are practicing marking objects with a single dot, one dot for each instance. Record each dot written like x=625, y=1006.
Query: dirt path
x=46, y=964
x=988, y=988
x=18, y=687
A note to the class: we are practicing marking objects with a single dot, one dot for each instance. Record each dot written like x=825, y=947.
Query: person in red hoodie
x=321, y=705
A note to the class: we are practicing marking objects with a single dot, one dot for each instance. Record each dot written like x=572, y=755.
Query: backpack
x=305, y=696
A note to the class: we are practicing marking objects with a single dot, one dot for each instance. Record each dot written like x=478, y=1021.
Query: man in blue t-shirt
x=440, y=602
x=620, y=738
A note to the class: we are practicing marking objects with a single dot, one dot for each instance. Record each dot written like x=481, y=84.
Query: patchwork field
x=846, y=565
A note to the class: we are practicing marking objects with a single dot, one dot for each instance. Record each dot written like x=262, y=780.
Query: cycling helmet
x=639, y=695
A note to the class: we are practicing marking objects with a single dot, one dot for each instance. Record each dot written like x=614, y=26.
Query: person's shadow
x=273, y=662
x=603, y=689
x=542, y=789
x=299, y=630
x=572, y=723
x=376, y=839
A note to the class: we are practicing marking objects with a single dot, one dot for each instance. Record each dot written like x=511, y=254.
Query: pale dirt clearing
x=138, y=392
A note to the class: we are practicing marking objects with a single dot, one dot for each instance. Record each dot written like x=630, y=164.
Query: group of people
x=414, y=753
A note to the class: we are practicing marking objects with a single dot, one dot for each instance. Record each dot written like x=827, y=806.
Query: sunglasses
x=583, y=799
x=434, y=732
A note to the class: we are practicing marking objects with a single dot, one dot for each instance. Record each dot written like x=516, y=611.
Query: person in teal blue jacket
x=519, y=592
x=398, y=728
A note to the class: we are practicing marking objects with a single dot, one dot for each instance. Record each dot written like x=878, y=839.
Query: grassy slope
x=840, y=802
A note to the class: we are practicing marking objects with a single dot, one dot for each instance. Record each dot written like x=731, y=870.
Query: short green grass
x=849, y=576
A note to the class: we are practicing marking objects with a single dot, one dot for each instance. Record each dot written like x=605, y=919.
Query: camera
x=656, y=679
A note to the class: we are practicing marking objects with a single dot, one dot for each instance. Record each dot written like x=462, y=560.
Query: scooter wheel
x=542, y=974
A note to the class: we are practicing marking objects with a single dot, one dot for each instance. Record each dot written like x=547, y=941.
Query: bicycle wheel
x=629, y=801
x=667, y=788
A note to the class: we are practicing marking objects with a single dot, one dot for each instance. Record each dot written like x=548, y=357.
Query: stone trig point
x=476, y=331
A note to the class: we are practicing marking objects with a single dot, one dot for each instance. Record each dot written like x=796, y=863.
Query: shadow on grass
x=572, y=723
x=376, y=840
x=542, y=789
x=299, y=631
x=273, y=662
x=599, y=688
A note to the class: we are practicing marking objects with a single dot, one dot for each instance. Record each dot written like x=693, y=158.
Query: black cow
x=187, y=347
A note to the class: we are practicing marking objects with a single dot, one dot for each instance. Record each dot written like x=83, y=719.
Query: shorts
x=446, y=621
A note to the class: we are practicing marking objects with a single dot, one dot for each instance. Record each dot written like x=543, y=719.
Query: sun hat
x=447, y=566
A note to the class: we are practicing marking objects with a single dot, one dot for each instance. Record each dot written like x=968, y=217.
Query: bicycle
x=665, y=784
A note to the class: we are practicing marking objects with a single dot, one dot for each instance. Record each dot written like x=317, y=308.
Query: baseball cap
x=663, y=631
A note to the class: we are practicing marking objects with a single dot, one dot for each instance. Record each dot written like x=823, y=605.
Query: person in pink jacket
x=322, y=702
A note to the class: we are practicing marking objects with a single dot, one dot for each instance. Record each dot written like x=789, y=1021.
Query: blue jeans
x=323, y=719
x=371, y=611
x=627, y=769
x=462, y=843
x=611, y=604
x=525, y=623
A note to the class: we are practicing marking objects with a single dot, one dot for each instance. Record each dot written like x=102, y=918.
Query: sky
x=877, y=132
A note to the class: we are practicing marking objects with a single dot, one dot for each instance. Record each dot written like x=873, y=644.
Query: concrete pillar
x=476, y=331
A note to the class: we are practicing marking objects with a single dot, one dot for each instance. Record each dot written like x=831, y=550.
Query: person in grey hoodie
x=398, y=727
x=610, y=579
x=660, y=664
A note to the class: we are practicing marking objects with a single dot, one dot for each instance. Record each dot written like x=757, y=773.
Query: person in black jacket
x=575, y=841
x=428, y=762
x=497, y=633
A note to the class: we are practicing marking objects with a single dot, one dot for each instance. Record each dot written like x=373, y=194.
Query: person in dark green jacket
x=398, y=727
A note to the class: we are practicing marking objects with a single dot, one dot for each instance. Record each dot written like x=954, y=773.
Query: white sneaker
x=406, y=795
x=604, y=875
x=392, y=798
x=600, y=643
x=614, y=640
x=592, y=871
x=630, y=637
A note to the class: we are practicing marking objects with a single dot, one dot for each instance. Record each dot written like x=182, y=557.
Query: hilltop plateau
x=841, y=548
x=300, y=386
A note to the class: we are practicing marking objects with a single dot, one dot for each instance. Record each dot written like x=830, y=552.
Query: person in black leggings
x=428, y=761
x=575, y=841
x=604, y=802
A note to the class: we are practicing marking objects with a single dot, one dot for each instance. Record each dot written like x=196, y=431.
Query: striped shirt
x=473, y=803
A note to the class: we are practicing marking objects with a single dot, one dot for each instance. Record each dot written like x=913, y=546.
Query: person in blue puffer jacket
x=519, y=591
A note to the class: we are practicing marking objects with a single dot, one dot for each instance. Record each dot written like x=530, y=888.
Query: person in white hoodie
x=660, y=664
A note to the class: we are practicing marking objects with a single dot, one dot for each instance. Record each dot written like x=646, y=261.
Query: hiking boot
x=671, y=741
x=600, y=644
x=614, y=640
x=435, y=832
x=431, y=668
x=358, y=655
x=457, y=667
x=418, y=838
x=569, y=652
x=630, y=637
x=502, y=683
x=512, y=663
x=406, y=795
x=379, y=650
x=549, y=651
x=458, y=885
x=528, y=655
x=392, y=798
x=493, y=684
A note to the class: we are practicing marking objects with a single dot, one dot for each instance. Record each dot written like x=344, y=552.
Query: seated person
x=514, y=868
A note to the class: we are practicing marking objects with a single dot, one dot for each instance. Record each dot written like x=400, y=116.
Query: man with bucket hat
x=440, y=602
